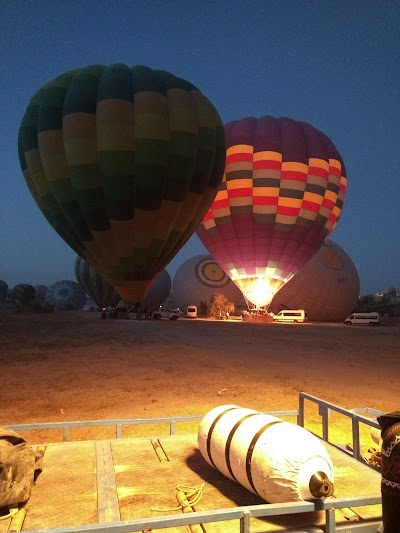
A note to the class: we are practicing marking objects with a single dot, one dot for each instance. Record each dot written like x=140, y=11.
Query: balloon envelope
x=3, y=290
x=158, y=292
x=23, y=294
x=66, y=295
x=94, y=285
x=200, y=278
x=40, y=292
x=280, y=198
x=327, y=287
x=124, y=163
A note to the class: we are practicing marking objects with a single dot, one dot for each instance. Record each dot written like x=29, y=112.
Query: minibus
x=360, y=319
x=291, y=315
x=191, y=311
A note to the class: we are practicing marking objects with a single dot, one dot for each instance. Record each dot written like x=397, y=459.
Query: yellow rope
x=192, y=494
x=11, y=512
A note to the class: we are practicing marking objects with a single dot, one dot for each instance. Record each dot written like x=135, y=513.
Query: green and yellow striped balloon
x=124, y=162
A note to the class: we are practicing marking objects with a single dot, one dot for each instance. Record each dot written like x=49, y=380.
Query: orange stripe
x=267, y=155
x=239, y=148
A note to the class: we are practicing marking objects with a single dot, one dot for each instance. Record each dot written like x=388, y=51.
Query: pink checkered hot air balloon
x=280, y=199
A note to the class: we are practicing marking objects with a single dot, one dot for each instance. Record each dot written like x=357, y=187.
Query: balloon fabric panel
x=124, y=163
x=95, y=285
x=280, y=198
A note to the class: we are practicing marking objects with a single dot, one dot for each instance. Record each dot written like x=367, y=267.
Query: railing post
x=245, y=522
x=330, y=521
x=355, y=427
x=300, y=416
x=324, y=413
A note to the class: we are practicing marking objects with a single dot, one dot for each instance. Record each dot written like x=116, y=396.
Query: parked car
x=165, y=313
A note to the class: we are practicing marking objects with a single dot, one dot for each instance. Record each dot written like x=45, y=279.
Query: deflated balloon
x=124, y=163
x=280, y=198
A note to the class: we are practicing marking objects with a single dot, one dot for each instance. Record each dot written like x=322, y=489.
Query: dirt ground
x=74, y=366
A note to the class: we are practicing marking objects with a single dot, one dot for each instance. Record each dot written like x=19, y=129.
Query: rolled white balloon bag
x=274, y=459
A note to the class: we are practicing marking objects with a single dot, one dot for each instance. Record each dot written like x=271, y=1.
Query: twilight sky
x=334, y=64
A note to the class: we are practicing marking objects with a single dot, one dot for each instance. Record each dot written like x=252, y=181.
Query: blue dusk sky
x=332, y=63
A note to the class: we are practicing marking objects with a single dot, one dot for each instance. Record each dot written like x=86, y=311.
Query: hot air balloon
x=158, y=291
x=124, y=163
x=66, y=295
x=280, y=198
x=327, y=287
x=40, y=292
x=198, y=279
x=3, y=291
x=23, y=294
x=94, y=285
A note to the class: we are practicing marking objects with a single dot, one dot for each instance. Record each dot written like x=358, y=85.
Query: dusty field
x=74, y=366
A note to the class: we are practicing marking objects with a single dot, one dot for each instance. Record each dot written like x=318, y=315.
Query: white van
x=291, y=315
x=191, y=311
x=366, y=319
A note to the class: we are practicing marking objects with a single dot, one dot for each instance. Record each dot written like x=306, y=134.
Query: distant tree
x=203, y=308
x=386, y=304
x=366, y=304
x=220, y=306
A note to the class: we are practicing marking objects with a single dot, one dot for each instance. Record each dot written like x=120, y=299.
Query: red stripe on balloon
x=294, y=175
x=240, y=156
x=328, y=203
x=310, y=206
x=267, y=164
x=209, y=216
x=289, y=211
x=318, y=171
x=219, y=204
x=335, y=171
x=265, y=200
x=239, y=193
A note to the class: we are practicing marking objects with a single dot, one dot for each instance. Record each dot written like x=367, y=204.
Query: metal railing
x=325, y=409
x=120, y=423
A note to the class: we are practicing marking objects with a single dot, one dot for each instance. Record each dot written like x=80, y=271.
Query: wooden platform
x=111, y=480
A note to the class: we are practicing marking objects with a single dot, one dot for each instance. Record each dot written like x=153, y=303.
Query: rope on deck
x=187, y=497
